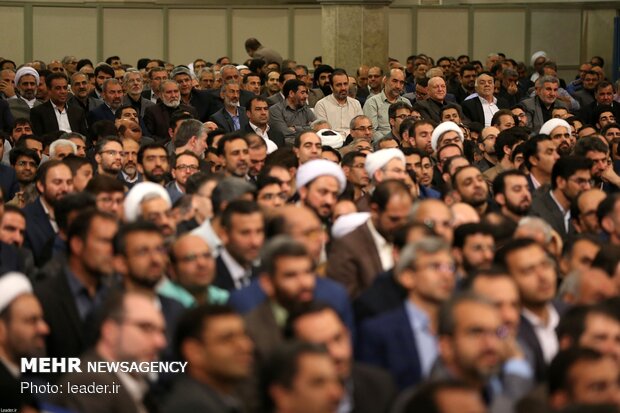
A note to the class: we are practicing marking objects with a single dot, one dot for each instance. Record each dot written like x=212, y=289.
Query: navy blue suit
x=39, y=231
x=101, y=112
x=8, y=182
x=326, y=290
x=224, y=121
x=388, y=341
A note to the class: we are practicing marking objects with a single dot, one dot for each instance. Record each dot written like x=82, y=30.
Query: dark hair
x=83, y=62
x=18, y=152
x=462, y=232
x=385, y=191
x=75, y=162
x=396, y=106
x=337, y=72
x=499, y=183
x=590, y=144
x=54, y=76
x=120, y=239
x=45, y=167
x=426, y=397
x=567, y=166
x=502, y=112
x=239, y=207
x=81, y=225
x=349, y=158
x=559, y=377
x=102, y=128
x=248, y=106
x=279, y=247
x=531, y=148
x=147, y=147
x=506, y=138
x=513, y=245
x=467, y=67
x=103, y=183
x=195, y=321
x=105, y=68
x=291, y=85
x=230, y=137
x=197, y=180
x=313, y=307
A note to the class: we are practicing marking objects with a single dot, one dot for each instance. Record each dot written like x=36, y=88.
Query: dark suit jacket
x=6, y=117
x=275, y=135
x=430, y=109
x=44, y=121
x=8, y=182
x=224, y=121
x=91, y=103
x=387, y=341
x=218, y=102
x=14, y=259
x=68, y=335
x=39, y=231
x=144, y=103
x=10, y=389
x=544, y=206
x=353, y=260
x=384, y=295
x=101, y=112
x=223, y=279
x=189, y=395
x=373, y=389
x=19, y=107
x=262, y=327
x=121, y=402
x=472, y=108
x=588, y=112
x=157, y=119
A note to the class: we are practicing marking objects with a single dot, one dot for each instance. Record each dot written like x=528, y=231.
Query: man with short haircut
x=213, y=341
x=109, y=155
x=233, y=149
x=570, y=176
x=512, y=193
x=22, y=335
x=186, y=164
x=338, y=108
x=584, y=209
x=603, y=173
x=133, y=84
x=404, y=340
x=203, y=102
x=539, y=154
x=153, y=163
x=231, y=117
x=503, y=119
x=13, y=226
x=54, y=181
x=258, y=123
x=358, y=257
x=55, y=114
x=467, y=83
x=191, y=135
x=129, y=174
x=282, y=77
x=25, y=163
x=482, y=108
x=377, y=106
x=109, y=194
x=252, y=83
x=472, y=188
x=583, y=376
x=292, y=115
x=370, y=389
x=155, y=76
x=26, y=83
x=504, y=145
x=420, y=135
x=353, y=168
x=243, y=235
x=539, y=107
x=257, y=155
x=603, y=96
x=70, y=297
x=473, y=248
x=307, y=146
x=112, y=94
x=486, y=144
x=608, y=213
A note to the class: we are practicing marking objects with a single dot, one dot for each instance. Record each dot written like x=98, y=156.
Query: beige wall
x=183, y=33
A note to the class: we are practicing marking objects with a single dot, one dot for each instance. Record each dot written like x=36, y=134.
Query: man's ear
x=266, y=284
x=500, y=199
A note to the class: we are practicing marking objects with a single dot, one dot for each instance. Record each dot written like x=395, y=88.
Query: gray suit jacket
x=20, y=109
x=532, y=107
x=144, y=103
x=544, y=206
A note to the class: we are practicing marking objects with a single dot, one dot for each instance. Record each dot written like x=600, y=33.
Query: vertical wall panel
x=197, y=33
x=269, y=26
x=306, y=37
x=557, y=32
x=599, y=35
x=133, y=34
x=12, y=21
x=442, y=32
x=53, y=38
x=400, y=34
x=499, y=31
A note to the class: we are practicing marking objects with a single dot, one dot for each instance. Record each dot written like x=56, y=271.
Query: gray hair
x=570, y=285
x=164, y=83
x=537, y=224
x=546, y=79
x=411, y=252
x=204, y=70
x=61, y=142
x=69, y=135
x=355, y=119
x=130, y=72
x=188, y=129
x=318, y=122
x=227, y=190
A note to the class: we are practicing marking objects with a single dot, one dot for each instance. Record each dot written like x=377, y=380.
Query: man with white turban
x=560, y=132
x=319, y=183
x=26, y=83
x=151, y=202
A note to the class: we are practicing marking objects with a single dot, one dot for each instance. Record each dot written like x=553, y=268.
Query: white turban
x=13, y=284
x=380, y=158
x=443, y=128
x=137, y=194
x=536, y=55
x=311, y=170
x=551, y=124
x=331, y=138
x=348, y=222
x=26, y=70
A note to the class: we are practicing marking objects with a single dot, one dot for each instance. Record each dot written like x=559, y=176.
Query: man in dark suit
x=112, y=94
x=571, y=175
x=482, y=108
x=403, y=340
x=437, y=98
x=534, y=273
x=231, y=117
x=157, y=117
x=258, y=123
x=56, y=114
x=202, y=101
x=54, y=181
x=242, y=222
x=372, y=389
x=131, y=330
x=9, y=185
x=604, y=96
x=354, y=260
x=6, y=117
x=80, y=86
x=218, y=334
x=71, y=297
x=133, y=84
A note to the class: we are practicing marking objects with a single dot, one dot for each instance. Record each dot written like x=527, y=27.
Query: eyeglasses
x=437, y=266
x=401, y=117
x=145, y=327
x=186, y=167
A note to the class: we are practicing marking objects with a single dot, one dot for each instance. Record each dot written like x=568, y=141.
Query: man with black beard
x=287, y=276
x=472, y=188
x=153, y=163
x=560, y=132
x=80, y=87
x=103, y=71
x=141, y=257
x=473, y=248
x=512, y=194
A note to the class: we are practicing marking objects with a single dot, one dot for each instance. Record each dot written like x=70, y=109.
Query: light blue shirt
x=425, y=340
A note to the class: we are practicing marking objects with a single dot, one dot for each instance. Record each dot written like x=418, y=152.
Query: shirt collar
x=376, y=236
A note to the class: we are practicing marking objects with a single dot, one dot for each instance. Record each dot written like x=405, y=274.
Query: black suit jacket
x=190, y=395
x=44, y=121
x=12, y=259
x=544, y=206
x=224, y=121
x=204, y=103
x=157, y=119
x=373, y=389
x=39, y=231
x=8, y=182
x=6, y=117
x=274, y=134
x=223, y=279
x=472, y=109
x=383, y=295
x=68, y=335
x=101, y=112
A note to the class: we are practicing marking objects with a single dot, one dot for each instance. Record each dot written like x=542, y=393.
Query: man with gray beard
x=157, y=117
x=26, y=83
